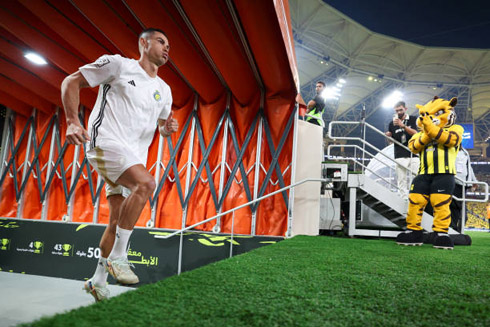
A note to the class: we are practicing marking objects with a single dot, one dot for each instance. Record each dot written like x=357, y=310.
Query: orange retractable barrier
x=230, y=60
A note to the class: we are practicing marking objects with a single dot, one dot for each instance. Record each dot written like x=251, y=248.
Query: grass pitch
x=313, y=281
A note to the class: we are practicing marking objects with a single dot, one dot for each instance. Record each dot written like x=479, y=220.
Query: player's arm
x=418, y=141
x=70, y=96
x=168, y=126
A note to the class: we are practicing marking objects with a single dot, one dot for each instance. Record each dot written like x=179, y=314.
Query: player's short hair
x=400, y=103
x=149, y=31
x=321, y=82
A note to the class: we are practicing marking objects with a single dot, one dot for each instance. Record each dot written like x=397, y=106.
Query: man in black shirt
x=316, y=107
x=401, y=128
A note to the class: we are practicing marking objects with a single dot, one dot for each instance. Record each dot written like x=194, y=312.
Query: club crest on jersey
x=157, y=96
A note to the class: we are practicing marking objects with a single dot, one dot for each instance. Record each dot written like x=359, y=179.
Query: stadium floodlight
x=331, y=93
x=342, y=81
x=35, y=58
x=392, y=99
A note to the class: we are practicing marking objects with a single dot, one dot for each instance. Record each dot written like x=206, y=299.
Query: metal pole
x=258, y=155
x=189, y=161
x=363, y=121
x=217, y=227
x=232, y=230
x=463, y=209
x=179, y=264
x=4, y=150
x=352, y=211
x=293, y=174
x=44, y=212
x=161, y=141
x=20, y=205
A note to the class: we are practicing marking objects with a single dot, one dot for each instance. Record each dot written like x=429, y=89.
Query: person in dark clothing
x=401, y=128
x=316, y=107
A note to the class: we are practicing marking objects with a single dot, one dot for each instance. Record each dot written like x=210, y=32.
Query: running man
x=131, y=101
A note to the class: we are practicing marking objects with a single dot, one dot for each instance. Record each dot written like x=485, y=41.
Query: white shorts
x=110, y=163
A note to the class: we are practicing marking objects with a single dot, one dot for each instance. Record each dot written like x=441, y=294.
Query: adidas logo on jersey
x=132, y=83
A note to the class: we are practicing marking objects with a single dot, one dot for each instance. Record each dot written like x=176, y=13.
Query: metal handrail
x=322, y=123
x=358, y=162
x=181, y=231
x=242, y=206
x=465, y=183
x=364, y=142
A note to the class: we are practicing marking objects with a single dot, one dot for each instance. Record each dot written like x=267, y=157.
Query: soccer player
x=131, y=102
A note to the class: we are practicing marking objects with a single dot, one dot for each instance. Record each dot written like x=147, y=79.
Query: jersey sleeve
x=102, y=71
x=167, y=106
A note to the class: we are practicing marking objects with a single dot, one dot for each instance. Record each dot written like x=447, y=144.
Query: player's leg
x=107, y=241
x=142, y=184
x=97, y=285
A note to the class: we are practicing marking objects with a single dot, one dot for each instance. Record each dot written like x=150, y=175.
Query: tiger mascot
x=437, y=144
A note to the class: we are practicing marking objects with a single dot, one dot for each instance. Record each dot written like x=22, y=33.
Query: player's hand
x=171, y=124
x=76, y=134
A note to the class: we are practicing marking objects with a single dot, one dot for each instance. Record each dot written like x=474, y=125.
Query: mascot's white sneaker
x=443, y=241
x=120, y=269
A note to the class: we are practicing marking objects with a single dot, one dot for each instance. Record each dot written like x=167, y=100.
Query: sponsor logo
x=10, y=224
x=91, y=252
x=65, y=250
x=36, y=247
x=132, y=83
x=440, y=190
x=4, y=244
x=138, y=258
x=157, y=96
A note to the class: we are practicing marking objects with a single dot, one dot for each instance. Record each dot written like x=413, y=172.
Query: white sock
x=100, y=275
x=120, y=248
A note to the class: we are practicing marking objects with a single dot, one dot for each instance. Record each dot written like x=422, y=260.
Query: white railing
x=232, y=211
x=465, y=184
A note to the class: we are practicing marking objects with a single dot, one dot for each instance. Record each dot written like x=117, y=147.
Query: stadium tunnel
x=233, y=77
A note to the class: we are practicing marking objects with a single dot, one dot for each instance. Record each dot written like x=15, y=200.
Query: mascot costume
x=437, y=144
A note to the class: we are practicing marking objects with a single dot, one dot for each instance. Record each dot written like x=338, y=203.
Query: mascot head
x=440, y=111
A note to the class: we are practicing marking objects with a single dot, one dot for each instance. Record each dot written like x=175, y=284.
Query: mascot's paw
x=411, y=238
x=443, y=241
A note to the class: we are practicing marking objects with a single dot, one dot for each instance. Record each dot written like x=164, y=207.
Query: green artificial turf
x=313, y=281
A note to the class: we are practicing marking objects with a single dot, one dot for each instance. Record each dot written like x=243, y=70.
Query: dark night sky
x=450, y=23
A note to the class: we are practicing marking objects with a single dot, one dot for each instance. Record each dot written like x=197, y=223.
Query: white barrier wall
x=309, y=156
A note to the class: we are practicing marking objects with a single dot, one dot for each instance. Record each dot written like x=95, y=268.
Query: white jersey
x=128, y=105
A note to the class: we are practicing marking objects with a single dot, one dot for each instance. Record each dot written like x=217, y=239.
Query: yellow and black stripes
x=437, y=148
x=442, y=213
x=418, y=142
x=417, y=203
